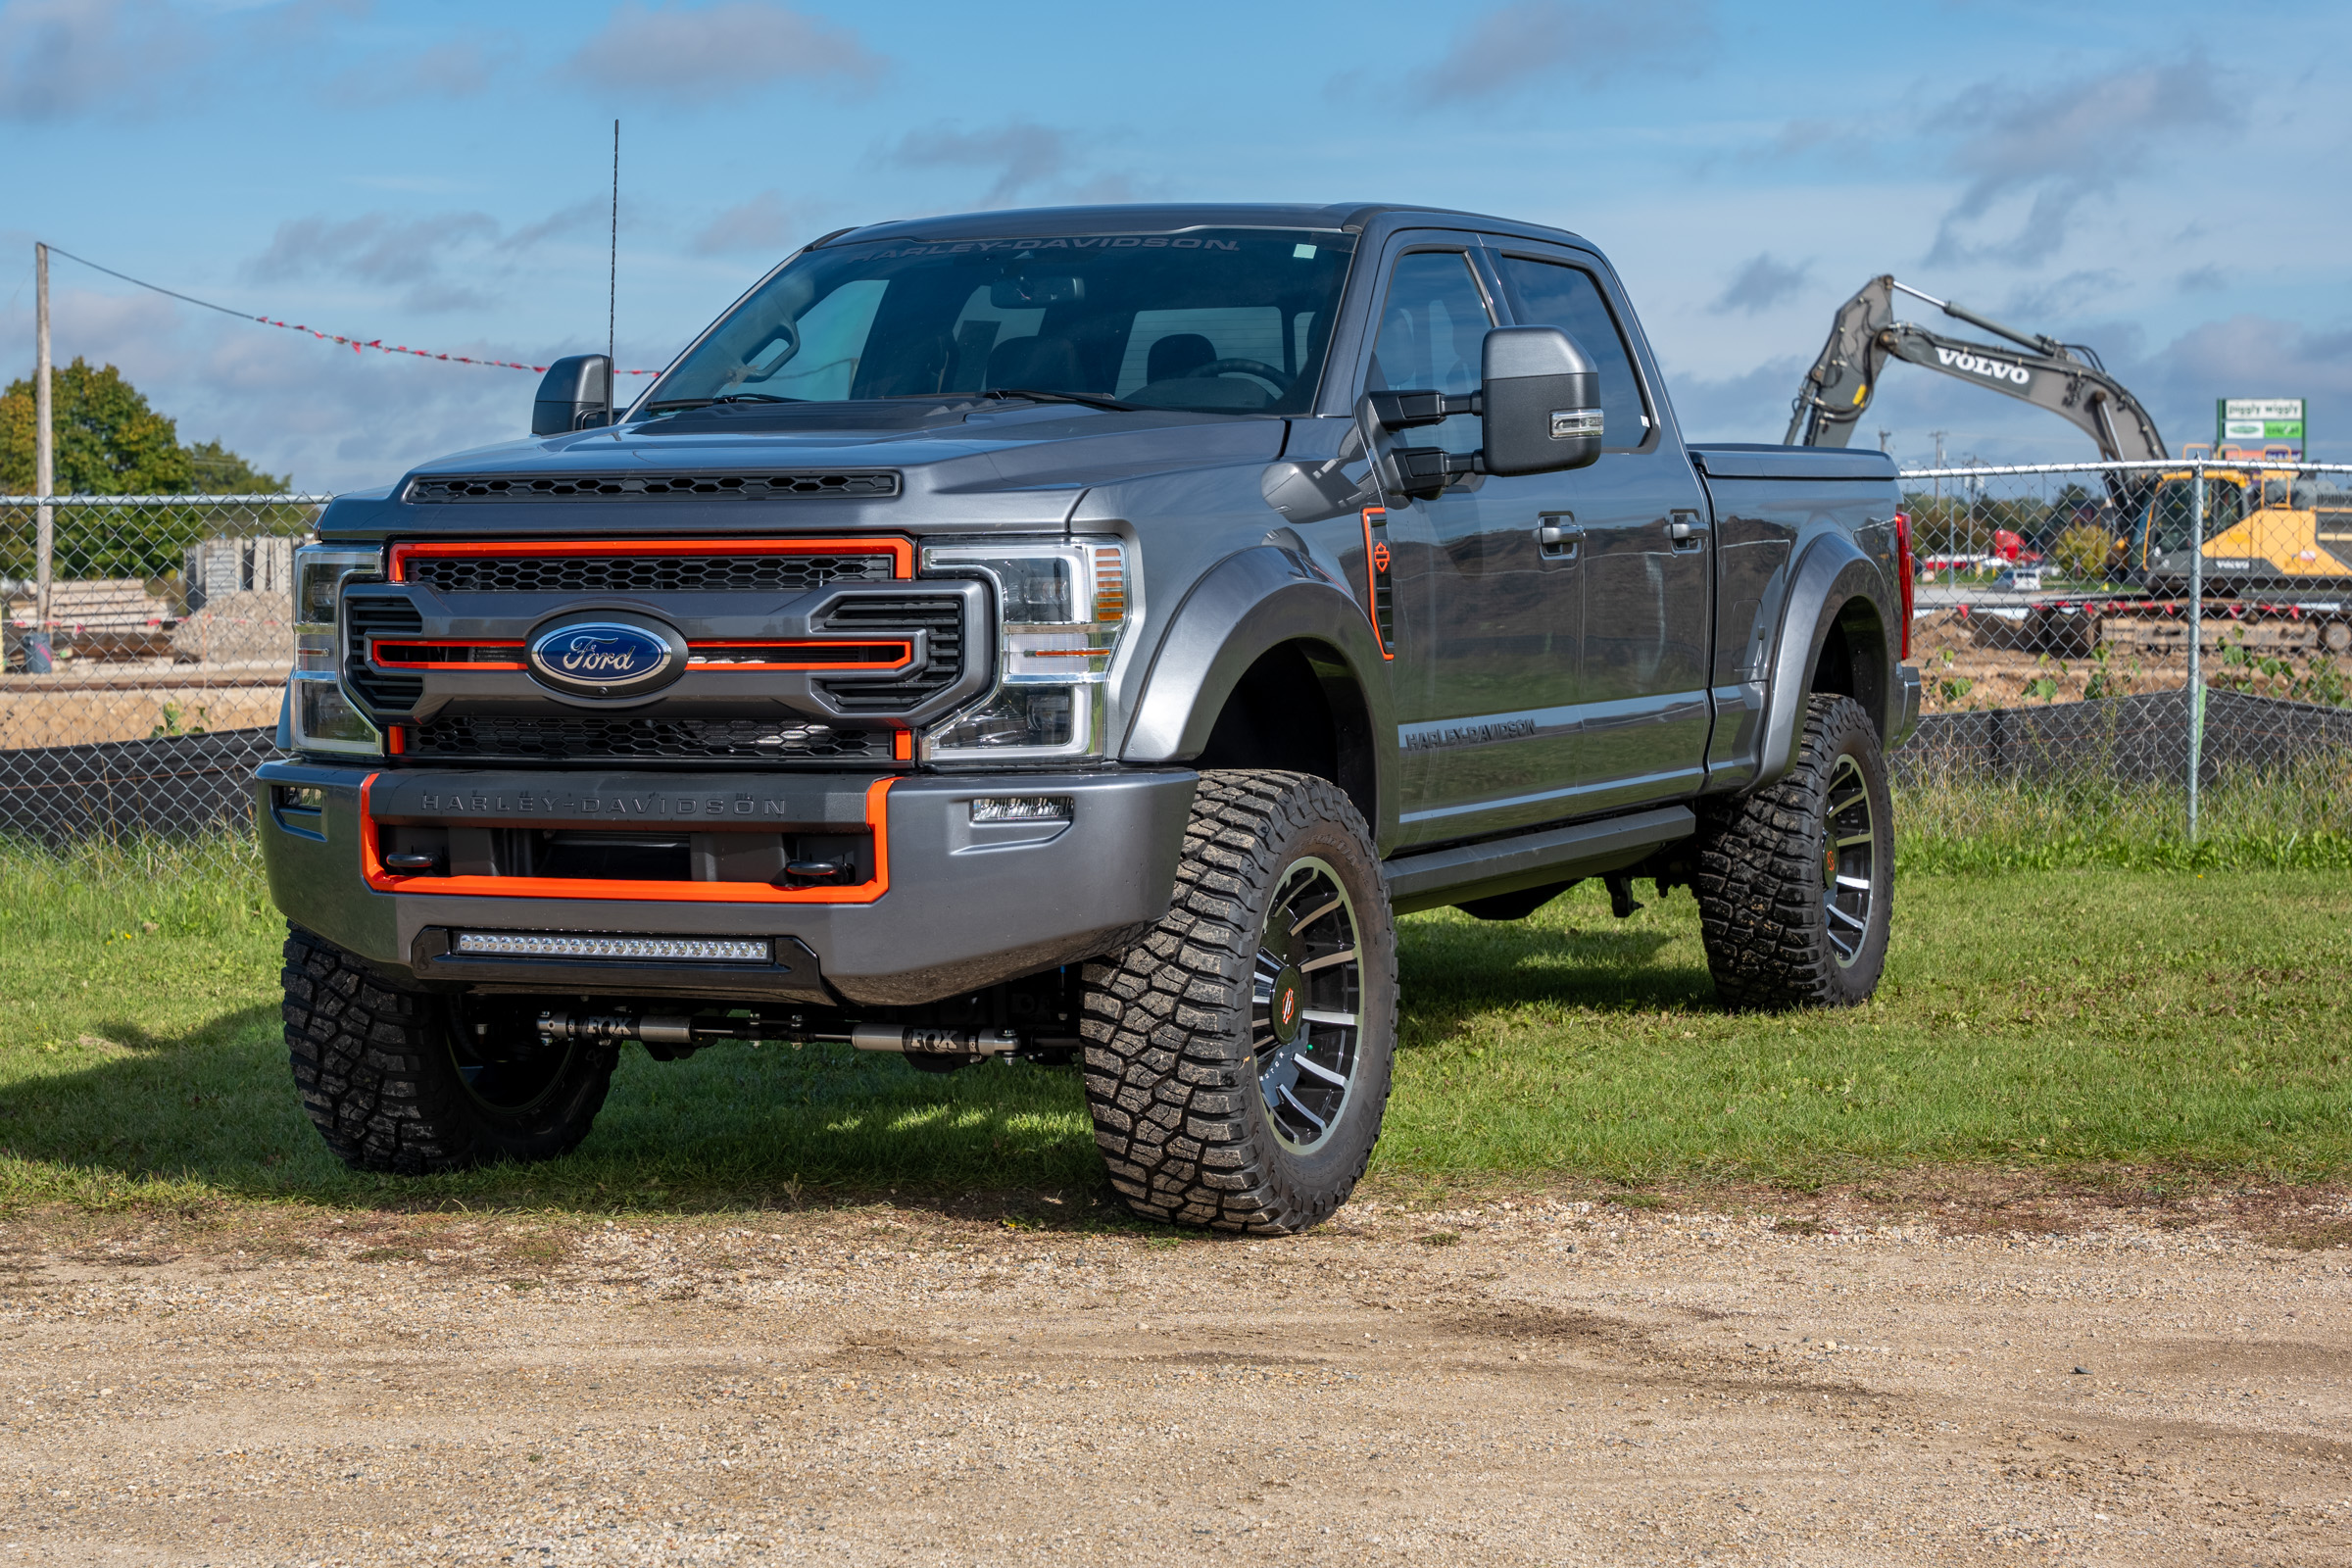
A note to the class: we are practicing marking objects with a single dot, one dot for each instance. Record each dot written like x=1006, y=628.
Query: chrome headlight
x=1063, y=607
x=324, y=717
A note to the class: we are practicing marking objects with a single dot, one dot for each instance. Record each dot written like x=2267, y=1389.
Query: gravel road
x=1527, y=1380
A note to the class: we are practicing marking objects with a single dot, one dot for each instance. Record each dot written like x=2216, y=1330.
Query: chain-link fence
x=2087, y=670
x=2157, y=648
x=144, y=642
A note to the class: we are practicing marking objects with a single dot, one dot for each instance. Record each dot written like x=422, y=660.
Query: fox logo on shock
x=1978, y=365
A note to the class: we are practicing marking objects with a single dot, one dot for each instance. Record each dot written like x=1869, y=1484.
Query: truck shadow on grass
x=125, y=1115
x=1452, y=968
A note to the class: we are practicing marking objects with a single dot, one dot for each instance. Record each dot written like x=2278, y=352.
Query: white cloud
x=694, y=56
x=63, y=58
x=2050, y=148
x=764, y=224
x=1021, y=158
x=1535, y=42
x=1763, y=281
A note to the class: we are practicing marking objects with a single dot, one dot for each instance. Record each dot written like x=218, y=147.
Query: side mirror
x=576, y=394
x=1542, y=400
x=1540, y=397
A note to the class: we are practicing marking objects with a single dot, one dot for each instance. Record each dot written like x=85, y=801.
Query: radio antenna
x=613, y=272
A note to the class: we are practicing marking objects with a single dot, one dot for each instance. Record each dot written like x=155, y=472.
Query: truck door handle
x=1558, y=536
x=1685, y=530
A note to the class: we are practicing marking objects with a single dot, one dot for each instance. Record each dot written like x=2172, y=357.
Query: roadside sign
x=2259, y=427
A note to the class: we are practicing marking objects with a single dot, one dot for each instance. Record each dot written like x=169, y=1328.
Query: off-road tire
x=379, y=1070
x=1763, y=877
x=1173, y=1072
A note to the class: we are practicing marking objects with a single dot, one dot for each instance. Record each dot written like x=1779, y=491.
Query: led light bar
x=1022, y=808
x=552, y=945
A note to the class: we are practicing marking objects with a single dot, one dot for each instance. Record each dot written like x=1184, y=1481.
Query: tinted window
x=1231, y=320
x=1549, y=294
x=1432, y=333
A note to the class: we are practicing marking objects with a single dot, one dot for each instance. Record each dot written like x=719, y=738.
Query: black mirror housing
x=1541, y=401
x=577, y=393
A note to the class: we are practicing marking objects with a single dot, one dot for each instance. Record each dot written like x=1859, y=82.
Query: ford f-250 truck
x=1072, y=633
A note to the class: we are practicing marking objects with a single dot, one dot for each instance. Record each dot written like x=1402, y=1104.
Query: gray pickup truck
x=1073, y=634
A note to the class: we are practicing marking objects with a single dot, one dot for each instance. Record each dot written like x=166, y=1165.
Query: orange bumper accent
x=877, y=820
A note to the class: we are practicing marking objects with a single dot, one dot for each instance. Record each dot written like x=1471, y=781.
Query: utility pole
x=44, y=464
x=1882, y=439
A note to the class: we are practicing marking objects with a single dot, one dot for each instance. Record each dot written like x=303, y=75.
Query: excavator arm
x=2064, y=378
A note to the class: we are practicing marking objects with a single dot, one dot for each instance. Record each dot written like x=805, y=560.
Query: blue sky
x=2165, y=181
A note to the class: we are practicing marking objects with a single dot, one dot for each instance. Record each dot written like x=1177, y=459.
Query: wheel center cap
x=1287, y=1001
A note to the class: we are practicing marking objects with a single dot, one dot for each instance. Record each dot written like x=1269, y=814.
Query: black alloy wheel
x=1306, y=1009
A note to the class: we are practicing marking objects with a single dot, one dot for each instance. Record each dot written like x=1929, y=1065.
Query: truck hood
x=1014, y=464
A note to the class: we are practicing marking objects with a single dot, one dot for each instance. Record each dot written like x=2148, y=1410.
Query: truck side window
x=1551, y=294
x=1432, y=333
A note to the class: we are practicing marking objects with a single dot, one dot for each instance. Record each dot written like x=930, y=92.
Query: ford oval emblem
x=599, y=657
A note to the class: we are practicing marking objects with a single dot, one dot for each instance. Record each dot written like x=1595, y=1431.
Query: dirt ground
x=1533, y=1379
x=1965, y=666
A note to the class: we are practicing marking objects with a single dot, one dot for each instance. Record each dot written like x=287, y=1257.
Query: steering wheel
x=1258, y=368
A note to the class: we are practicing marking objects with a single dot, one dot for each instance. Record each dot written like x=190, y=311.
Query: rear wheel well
x=1853, y=661
x=1298, y=710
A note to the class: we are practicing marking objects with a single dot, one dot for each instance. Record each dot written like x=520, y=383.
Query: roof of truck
x=1157, y=218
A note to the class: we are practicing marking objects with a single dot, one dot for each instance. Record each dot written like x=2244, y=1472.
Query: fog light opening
x=1024, y=809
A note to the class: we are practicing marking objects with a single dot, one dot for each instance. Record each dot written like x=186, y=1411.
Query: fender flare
x=1247, y=605
x=1831, y=571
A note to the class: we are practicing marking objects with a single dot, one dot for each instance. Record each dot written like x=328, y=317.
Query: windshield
x=1218, y=320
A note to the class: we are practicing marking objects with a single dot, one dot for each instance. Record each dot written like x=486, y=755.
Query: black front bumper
x=964, y=906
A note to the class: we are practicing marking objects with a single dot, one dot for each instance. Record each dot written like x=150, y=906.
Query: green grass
x=2082, y=1019
x=2286, y=819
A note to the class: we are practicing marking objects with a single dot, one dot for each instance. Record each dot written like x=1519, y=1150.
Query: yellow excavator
x=2268, y=531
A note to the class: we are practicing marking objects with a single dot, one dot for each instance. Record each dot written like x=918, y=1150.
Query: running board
x=1480, y=870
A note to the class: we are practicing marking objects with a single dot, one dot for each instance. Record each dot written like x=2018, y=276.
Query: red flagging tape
x=356, y=345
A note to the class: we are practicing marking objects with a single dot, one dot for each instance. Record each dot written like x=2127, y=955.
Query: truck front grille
x=644, y=574
x=590, y=738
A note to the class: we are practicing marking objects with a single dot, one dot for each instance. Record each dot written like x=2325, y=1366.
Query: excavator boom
x=2041, y=370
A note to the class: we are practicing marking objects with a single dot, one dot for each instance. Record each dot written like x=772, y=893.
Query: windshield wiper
x=754, y=397
x=1089, y=400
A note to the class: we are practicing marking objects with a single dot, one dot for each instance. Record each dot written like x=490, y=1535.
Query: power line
x=356, y=344
x=246, y=316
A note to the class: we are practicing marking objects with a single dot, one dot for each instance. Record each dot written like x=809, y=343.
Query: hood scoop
x=864, y=485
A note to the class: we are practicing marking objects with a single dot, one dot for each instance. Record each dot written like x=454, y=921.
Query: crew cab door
x=1486, y=616
x=1646, y=550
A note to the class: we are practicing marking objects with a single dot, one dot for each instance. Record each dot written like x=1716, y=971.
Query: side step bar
x=1439, y=877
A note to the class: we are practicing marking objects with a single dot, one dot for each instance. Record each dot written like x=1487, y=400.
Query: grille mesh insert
x=364, y=617
x=872, y=484
x=590, y=738
x=643, y=574
x=943, y=618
